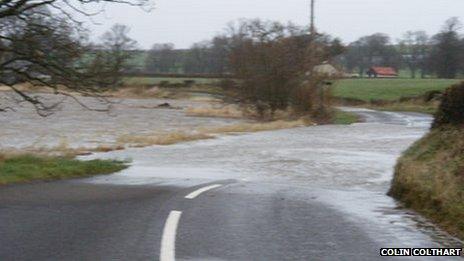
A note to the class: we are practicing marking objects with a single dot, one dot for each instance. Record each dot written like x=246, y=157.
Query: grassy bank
x=24, y=168
x=410, y=106
x=429, y=178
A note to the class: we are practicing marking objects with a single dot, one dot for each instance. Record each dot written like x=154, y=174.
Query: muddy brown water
x=74, y=126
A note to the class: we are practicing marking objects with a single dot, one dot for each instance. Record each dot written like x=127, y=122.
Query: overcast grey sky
x=184, y=22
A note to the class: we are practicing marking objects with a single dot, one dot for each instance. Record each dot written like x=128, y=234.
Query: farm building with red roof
x=382, y=72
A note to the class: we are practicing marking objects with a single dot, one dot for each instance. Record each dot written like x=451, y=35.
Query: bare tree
x=446, y=55
x=423, y=50
x=161, y=58
x=274, y=63
x=112, y=57
x=220, y=52
x=197, y=58
x=210, y=57
x=413, y=47
x=22, y=8
x=41, y=43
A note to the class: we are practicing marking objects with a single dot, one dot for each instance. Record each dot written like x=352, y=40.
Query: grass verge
x=344, y=117
x=25, y=168
x=426, y=108
x=429, y=178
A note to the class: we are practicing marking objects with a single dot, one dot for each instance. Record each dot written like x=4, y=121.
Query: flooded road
x=348, y=168
x=314, y=192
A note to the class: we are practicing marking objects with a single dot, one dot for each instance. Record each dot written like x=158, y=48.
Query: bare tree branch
x=41, y=43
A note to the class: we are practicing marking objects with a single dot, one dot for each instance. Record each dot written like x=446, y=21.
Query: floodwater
x=74, y=126
x=348, y=168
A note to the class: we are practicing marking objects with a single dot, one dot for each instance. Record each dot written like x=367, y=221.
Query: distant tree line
x=440, y=55
x=272, y=64
x=206, y=57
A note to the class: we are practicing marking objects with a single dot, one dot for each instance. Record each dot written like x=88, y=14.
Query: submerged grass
x=25, y=168
x=228, y=111
x=161, y=138
x=258, y=126
x=206, y=133
x=429, y=178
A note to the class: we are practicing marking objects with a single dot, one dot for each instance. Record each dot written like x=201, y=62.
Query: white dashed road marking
x=197, y=192
x=168, y=241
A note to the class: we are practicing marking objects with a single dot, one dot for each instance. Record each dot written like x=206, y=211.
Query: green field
x=156, y=80
x=26, y=168
x=387, y=89
x=360, y=89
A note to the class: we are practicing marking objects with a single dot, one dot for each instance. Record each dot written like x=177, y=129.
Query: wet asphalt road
x=75, y=221
x=240, y=220
x=70, y=220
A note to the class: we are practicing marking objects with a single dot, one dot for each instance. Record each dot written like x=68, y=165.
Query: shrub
x=176, y=85
x=164, y=83
x=432, y=95
x=227, y=84
x=189, y=83
x=451, y=109
x=274, y=65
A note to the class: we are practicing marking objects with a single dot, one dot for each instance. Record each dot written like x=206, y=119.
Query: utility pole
x=322, y=86
x=313, y=26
